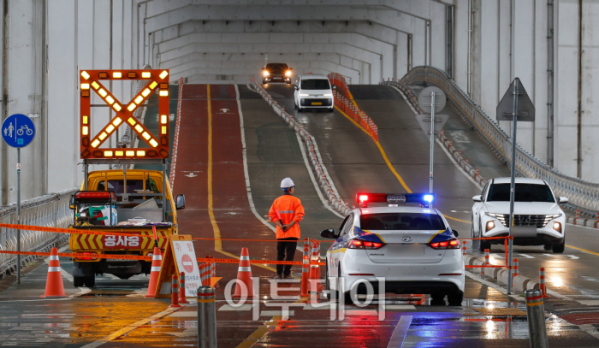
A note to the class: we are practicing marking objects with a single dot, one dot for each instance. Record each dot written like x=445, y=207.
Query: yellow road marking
x=218, y=245
x=258, y=334
x=581, y=249
x=389, y=165
x=399, y=178
x=456, y=219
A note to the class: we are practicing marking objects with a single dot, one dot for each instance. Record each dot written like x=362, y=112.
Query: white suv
x=538, y=218
x=313, y=92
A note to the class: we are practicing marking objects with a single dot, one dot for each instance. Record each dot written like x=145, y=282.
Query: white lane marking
x=277, y=313
x=400, y=332
x=400, y=307
x=184, y=314
x=590, y=329
x=549, y=255
x=555, y=294
x=494, y=286
x=229, y=308
x=305, y=157
x=573, y=257
x=245, y=166
x=130, y=328
x=527, y=256
x=82, y=291
x=589, y=302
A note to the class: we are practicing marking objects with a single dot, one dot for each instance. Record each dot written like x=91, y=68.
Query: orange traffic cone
x=155, y=272
x=54, y=286
x=244, y=275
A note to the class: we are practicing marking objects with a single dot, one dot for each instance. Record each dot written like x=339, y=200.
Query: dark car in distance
x=276, y=72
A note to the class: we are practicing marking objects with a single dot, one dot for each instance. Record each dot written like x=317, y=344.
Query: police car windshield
x=524, y=193
x=401, y=221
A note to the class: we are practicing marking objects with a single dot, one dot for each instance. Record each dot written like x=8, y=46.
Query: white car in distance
x=538, y=218
x=313, y=92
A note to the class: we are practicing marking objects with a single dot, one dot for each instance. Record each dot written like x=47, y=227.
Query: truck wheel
x=90, y=281
x=78, y=281
x=484, y=245
x=547, y=247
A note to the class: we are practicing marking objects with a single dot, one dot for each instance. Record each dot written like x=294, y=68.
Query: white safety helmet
x=287, y=183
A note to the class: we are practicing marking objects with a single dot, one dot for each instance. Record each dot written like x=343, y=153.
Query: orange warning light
x=157, y=144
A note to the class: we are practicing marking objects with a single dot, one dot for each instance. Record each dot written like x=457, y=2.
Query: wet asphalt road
x=355, y=165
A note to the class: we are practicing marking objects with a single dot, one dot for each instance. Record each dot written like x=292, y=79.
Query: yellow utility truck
x=134, y=202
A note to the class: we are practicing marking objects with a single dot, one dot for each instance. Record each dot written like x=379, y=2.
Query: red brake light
x=449, y=244
x=362, y=244
x=363, y=198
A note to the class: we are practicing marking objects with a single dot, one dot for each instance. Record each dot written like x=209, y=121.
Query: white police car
x=412, y=247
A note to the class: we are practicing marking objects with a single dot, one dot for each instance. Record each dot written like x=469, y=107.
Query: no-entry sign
x=186, y=262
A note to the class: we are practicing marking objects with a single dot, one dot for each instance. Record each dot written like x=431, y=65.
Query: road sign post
x=432, y=100
x=18, y=131
x=522, y=109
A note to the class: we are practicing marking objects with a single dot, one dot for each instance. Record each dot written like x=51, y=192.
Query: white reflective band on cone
x=53, y=269
x=54, y=258
x=175, y=290
x=244, y=258
x=245, y=269
x=155, y=269
x=157, y=257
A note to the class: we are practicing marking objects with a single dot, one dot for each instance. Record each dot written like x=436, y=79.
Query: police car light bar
x=393, y=198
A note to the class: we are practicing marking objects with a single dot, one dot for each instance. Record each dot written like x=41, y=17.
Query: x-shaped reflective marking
x=124, y=114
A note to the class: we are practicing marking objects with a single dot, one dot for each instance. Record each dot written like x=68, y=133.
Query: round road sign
x=187, y=263
x=18, y=130
x=424, y=99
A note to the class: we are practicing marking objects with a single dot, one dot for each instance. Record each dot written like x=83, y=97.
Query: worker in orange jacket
x=286, y=212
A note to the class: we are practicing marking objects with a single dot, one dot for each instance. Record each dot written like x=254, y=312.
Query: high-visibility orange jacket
x=287, y=208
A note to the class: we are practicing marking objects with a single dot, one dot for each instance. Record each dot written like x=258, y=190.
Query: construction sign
x=178, y=257
x=158, y=144
x=145, y=241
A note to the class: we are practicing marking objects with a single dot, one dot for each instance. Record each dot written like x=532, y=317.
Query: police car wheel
x=437, y=299
x=455, y=299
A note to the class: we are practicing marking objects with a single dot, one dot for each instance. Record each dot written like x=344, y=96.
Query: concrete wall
x=509, y=40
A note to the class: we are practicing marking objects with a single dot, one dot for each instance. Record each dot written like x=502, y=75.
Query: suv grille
x=538, y=221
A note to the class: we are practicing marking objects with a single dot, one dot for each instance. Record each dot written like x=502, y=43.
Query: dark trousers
x=285, y=252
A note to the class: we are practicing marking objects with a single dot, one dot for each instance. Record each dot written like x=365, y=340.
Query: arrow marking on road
x=572, y=257
x=191, y=175
x=527, y=256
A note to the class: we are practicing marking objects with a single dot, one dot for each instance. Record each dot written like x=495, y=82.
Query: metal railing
x=582, y=194
x=51, y=210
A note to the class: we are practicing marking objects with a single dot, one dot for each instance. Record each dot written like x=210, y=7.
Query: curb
x=519, y=284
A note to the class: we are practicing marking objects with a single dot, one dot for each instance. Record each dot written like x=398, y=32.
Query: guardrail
x=51, y=210
x=582, y=194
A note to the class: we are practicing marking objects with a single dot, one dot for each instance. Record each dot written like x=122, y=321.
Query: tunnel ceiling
x=231, y=40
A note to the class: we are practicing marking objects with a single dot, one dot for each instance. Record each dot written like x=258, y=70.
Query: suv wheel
x=559, y=248
x=547, y=247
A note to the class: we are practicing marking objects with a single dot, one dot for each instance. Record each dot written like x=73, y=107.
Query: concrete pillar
x=63, y=102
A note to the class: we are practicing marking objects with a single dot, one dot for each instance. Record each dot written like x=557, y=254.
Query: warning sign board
x=179, y=256
x=158, y=144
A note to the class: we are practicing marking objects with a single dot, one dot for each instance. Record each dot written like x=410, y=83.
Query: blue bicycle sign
x=18, y=130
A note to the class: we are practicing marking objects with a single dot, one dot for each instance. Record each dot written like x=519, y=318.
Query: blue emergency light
x=394, y=198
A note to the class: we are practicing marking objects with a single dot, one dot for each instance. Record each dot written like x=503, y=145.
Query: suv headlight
x=288, y=73
x=500, y=217
x=304, y=95
x=328, y=95
x=266, y=73
x=548, y=218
